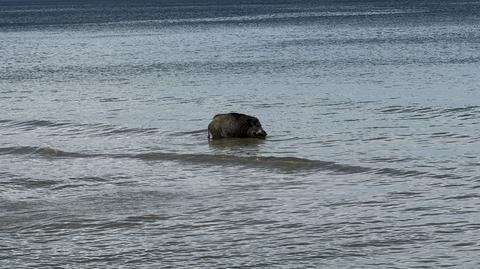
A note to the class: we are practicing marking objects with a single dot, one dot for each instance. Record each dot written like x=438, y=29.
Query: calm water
x=372, y=159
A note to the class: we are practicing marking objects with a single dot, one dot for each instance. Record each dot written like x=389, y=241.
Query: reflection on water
x=238, y=146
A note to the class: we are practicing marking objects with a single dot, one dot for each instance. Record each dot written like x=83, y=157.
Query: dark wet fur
x=235, y=125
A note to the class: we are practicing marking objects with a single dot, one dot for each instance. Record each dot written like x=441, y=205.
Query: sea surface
x=372, y=158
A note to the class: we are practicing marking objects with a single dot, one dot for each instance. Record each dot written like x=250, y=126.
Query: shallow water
x=372, y=111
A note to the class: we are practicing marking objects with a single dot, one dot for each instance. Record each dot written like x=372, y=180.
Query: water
x=372, y=110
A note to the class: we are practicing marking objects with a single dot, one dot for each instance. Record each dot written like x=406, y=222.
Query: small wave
x=282, y=16
x=37, y=123
x=463, y=197
x=43, y=152
x=111, y=100
x=56, y=225
x=123, y=130
x=270, y=17
x=282, y=164
x=415, y=109
x=462, y=109
x=72, y=127
x=28, y=125
x=190, y=133
x=417, y=112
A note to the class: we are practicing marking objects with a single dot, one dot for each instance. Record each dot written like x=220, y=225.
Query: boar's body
x=235, y=125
